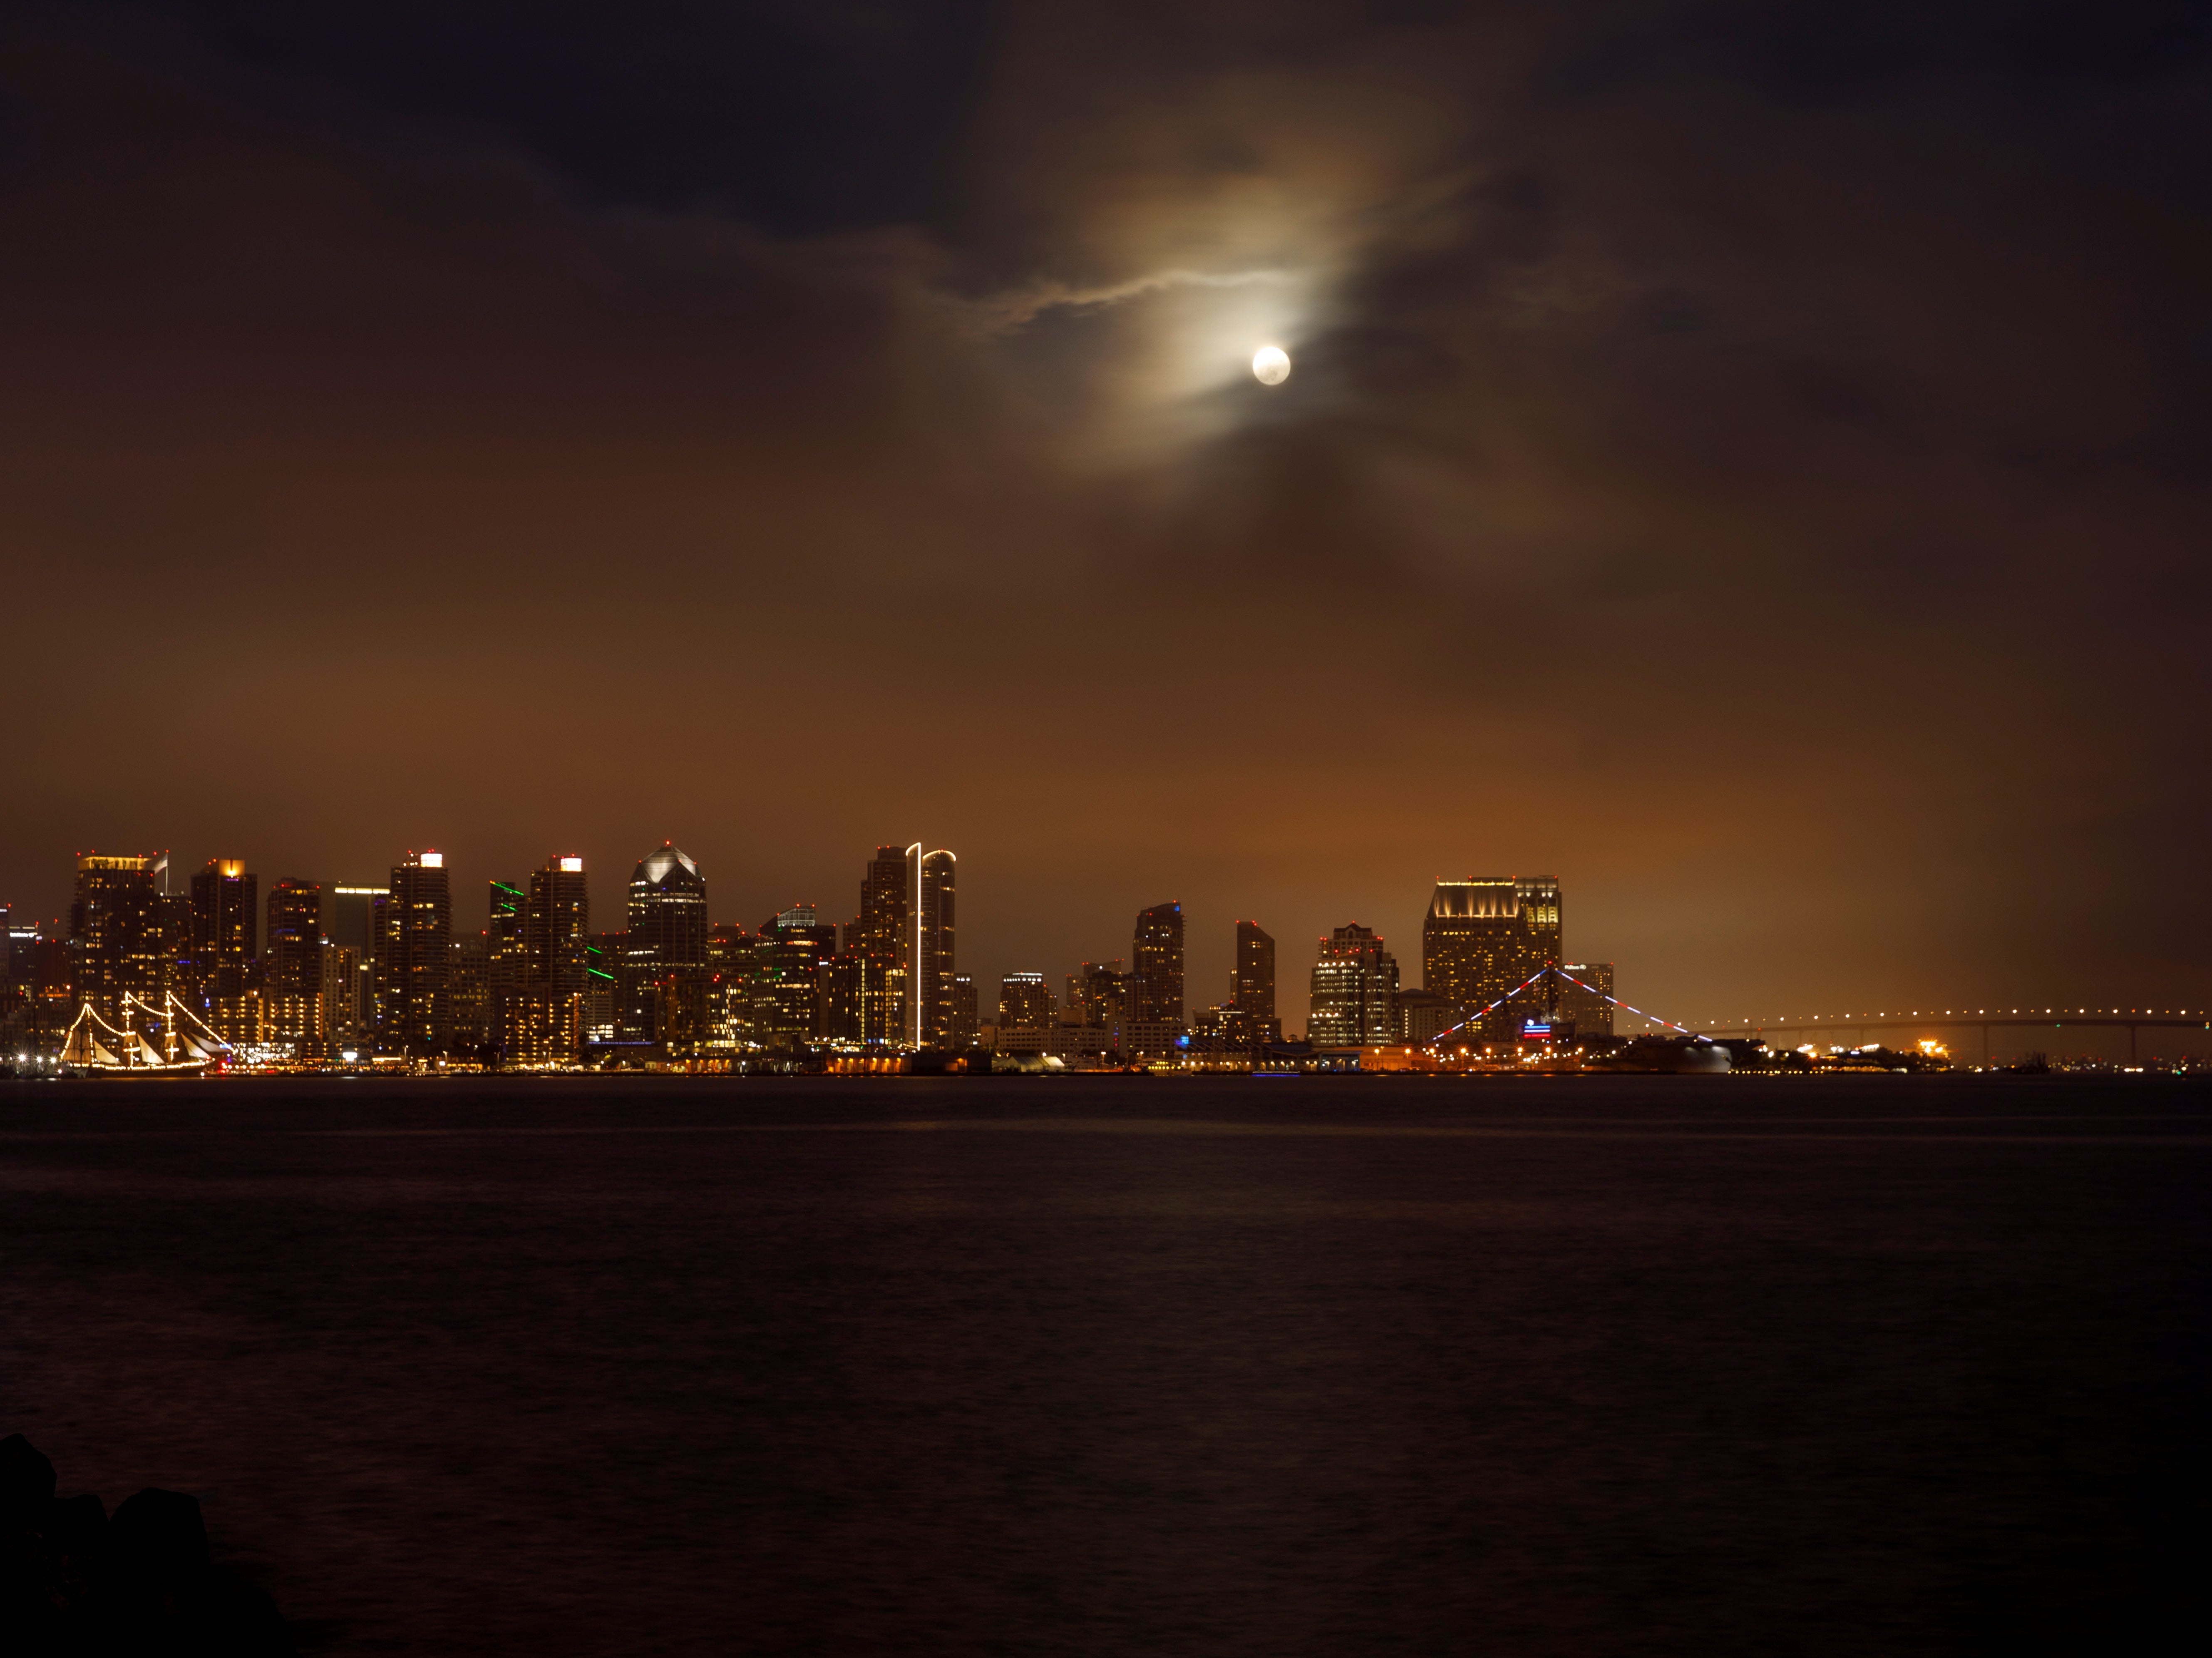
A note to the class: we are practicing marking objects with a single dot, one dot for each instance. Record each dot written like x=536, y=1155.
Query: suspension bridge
x=1807, y=1027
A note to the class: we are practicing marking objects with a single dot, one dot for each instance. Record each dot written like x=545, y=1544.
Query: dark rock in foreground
x=73, y=1581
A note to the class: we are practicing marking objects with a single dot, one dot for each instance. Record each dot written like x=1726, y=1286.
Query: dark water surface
x=1106, y=1366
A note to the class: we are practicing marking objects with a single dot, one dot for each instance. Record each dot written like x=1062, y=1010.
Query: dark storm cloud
x=1751, y=459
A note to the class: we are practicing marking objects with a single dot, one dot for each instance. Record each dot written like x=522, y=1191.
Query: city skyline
x=1212, y=955
x=398, y=970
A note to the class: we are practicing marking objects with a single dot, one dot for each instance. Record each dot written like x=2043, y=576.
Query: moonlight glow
x=1271, y=365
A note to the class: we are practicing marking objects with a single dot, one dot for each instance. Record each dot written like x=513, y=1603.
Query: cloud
x=1772, y=503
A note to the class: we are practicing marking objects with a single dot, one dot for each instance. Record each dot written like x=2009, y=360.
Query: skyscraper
x=793, y=952
x=1025, y=1001
x=539, y=966
x=1252, y=986
x=1476, y=945
x=557, y=928
x=868, y=978
x=964, y=1028
x=356, y=924
x=668, y=908
x=225, y=928
x=115, y=930
x=505, y=970
x=414, y=958
x=1589, y=1010
x=468, y=999
x=929, y=958
x=1542, y=910
x=665, y=946
x=1156, y=964
x=292, y=966
x=1355, y=990
x=731, y=953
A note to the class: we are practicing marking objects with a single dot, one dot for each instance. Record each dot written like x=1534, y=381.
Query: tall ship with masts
x=167, y=1040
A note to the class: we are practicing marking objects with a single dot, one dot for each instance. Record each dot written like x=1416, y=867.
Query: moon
x=1271, y=365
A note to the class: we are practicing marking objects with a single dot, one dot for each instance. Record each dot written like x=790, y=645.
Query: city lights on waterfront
x=147, y=977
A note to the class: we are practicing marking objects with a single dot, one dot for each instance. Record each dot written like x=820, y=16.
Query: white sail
x=101, y=1056
x=147, y=1054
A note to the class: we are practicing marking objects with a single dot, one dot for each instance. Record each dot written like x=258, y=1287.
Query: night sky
x=1752, y=463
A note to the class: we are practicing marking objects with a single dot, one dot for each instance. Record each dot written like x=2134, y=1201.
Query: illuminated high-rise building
x=225, y=928
x=294, y=955
x=1156, y=964
x=792, y=955
x=733, y=954
x=1541, y=913
x=1355, y=992
x=292, y=966
x=557, y=928
x=606, y=976
x=1025, y=1001
x=1475, y=945
x=469, y=1000
x=344, y=1018
x=665, y=949
x=668, y=908
x=539, y=967
x=966, y=1029
x=929, y=956
x=1586, y=1002
x=866, y=995
x=1252, y=985
x=414, y=958
x=355, y=922
x=505, y=959
x=115, y=931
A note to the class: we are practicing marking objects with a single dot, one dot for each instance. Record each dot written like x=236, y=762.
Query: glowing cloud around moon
x=1271, y=365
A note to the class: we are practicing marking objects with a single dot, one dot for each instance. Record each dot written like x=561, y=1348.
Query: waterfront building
x=1224, y=1037
x=344, y=991
x=792, y=950
x=115, y=933
x=225, y=928
x=1475, y=944
x=1252, y=984
x=557, y=928
x=1156, y=966
x=293, y=957
x=291, y=966
x=868, y=993
x=732, y=953
x=414, y=959
x=666, y=946
x=179, y=974
x=1024, y=1000
x=1098, y=992
x=1588, y=1011
x=929, y=958
x=966, y=1024
x=1354, y=991
x=1145, y=1040
x=1541, y=916
x=1423, y=1015
x=468, y=997
x=542, y=1030
x=603, y=998
x=356, y=921
x=506, y=955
